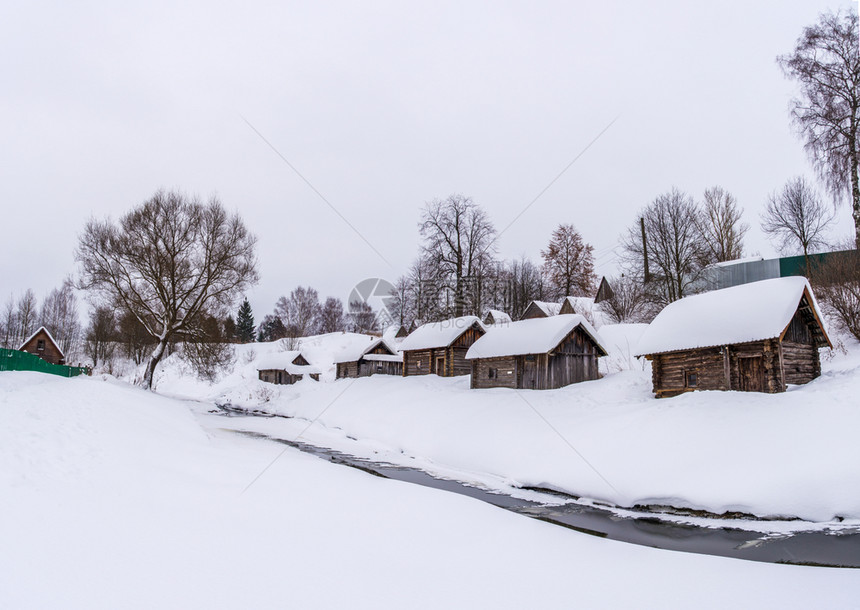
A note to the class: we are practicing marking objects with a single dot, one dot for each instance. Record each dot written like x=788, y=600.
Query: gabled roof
x=50, y=338
x=740, y=314
x=534, y=336
x=439, y=334
x=548, y=307
x=285, y=361
x=499, y=317
x=356, y=352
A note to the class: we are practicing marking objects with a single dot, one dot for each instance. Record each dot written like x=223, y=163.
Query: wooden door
x=751, y=374
x=529, y=373
x=440, y=366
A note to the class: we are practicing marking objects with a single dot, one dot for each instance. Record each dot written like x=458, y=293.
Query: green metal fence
x=13, y=360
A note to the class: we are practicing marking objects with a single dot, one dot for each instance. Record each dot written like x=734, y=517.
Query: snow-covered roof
x=395, y=357
x=586, y=303
x=533, y=336
x=284, y=361
x=439, y=334
x=47, y=332
x=499, y=317
x=740, y=314
x=587, y=307
x=357, y=351
x=549, y=308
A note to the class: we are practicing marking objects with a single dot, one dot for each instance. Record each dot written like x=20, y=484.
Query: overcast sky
x=382, y=106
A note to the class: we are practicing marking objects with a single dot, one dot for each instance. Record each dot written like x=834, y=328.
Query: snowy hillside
x=769, y=455
x=117, y=498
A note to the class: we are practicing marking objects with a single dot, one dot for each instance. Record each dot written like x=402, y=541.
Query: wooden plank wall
x=506, y=369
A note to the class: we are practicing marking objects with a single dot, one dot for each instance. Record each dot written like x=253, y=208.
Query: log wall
x=800, y=362
x=506, y=372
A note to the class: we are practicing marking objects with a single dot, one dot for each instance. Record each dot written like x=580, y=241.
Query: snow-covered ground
x=787, y=455
x=113, y=497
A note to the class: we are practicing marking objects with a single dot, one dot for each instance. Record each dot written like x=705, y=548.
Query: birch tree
x=826, y=64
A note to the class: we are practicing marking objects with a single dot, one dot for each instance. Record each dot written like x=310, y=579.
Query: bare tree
x=568, y=263
x=300, y=312
x=26, y=316
x=826, y=63
x=458, y=241
x=526, y=285
x=59, y=315
x=101, y=335
x=796, y=218
x=402, y=304
x=362, y=317
x=9, y=324
x=169, y=261
x=628, y=301
x=210, y=352
x=837, y=286
x=676, y=254
x=721, y=227
x=331, y=318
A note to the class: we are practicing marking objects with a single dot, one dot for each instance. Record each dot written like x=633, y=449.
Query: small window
x=691, y=379
x=492, y=373
x=530, y=358
x=40, y=345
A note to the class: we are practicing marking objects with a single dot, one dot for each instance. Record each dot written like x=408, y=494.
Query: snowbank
x=114, y=497
x=770, y=455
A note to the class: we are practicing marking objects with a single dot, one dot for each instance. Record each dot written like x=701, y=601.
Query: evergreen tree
x=230, y=329
x=245, y=323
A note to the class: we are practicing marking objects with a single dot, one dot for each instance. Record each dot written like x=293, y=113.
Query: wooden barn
x=440, y=347
x=42, y=344
x=540, y=309
x=285, y=368
x=538, y=354
x=377, y=358
x=756, y=337
x=494, y=316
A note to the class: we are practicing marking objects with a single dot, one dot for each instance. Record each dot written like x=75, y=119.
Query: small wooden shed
x=756, y=337
x=43, y=345
x=440, y=347
x=540, y=309
x=285, y=368
x=495, y=316
x=378, y=358
x=539, y=354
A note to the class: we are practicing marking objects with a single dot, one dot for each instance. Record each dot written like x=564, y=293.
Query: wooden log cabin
x=440, y=347
x=757, y=337
x=537, y=354
x=540, y=309
x=43, y=345
x=285, y=368
x=378, y=358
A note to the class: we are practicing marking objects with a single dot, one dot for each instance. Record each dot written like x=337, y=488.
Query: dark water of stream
x=819, y=548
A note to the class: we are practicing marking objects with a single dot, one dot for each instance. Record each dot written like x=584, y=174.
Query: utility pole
x=645, y=250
